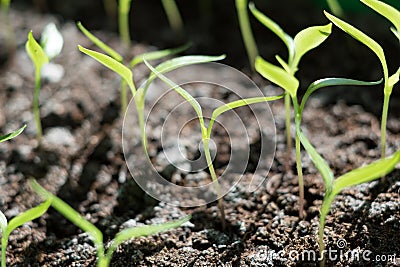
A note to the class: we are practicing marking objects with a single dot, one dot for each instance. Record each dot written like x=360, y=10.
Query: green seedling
x=284, y=76
x=247, y=34
x=206, y=130
x=5, y=13
x=302, y=43
x=52, y=43
x=103, y=257
x=124, y=7
x=173, y=15
x=39, y=58
x=389, y=81
x=358, y=176
x=8, y=227
x=115, y=56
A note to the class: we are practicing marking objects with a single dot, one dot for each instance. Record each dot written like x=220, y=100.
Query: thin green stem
x=206, y=146
x=245, y=27
x=36, y=111
x=173, y=15
x=124, y=97
x=383, y=124
x=4, y=243
x=123, y=22
x=288, y=133
x=326, y=204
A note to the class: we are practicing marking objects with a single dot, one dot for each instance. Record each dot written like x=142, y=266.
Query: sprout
x=388, y=81
x=123, y=21
x=284, y=76
x=103, y=259
x=122, y=70
x=206, y=130
x=245, y=27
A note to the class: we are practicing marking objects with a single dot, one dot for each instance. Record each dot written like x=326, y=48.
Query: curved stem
x=36, y=112
x=124, y=97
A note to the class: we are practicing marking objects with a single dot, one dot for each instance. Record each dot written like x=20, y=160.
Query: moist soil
x=81, y=160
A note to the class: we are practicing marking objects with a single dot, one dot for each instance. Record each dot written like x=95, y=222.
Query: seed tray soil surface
x=81, y=160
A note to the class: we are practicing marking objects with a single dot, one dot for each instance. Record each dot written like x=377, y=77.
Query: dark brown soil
x=81, y=161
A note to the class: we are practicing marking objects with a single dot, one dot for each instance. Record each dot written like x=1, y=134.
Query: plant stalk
x=206, y=146
x=245, y=27
x=173, y=15
x=123, y=21
x=288, y=133
x=299, y=167
x=326, y=204
x=4, y=243
x=36, y=111
x=383, y=124
x=124, y=97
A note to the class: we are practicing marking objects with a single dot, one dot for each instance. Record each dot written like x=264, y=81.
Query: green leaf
x=154, y=55
x=366, y=173
x=145, y=230
x=318, y=161
x=192, y=101
x=112, y=64
x=28, y=216
x=35, y=52
x=284, y=65
x=395, y=32
x=239, y=103
x=278, y=76
x=12, y=135
x=364, y=39
x=179, y=62
x=108, y=50
x=51, y=41
x=327, y=82
x=68, y=212
x=394, y=78
x=309, y=39
x=386, y=10
x=3, y=223
x=275, y=28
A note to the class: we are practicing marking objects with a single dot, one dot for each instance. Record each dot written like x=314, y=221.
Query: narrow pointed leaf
x=309, y=39
x=364, y=39
x=179, y=62
x=327, y=82
x=275, y=28
x=239, y=103
x=318, y=161
x=35, y=52
x=108, y=50
x=28, y=216
x=145, y=230
x=154, y=55
x=112, y=64
x=366, y=173
x=284, y=65
x=68, y=212
x=192, y=101
x=386, y=10
x=394, y=78
x=277, y=75
x=12, y=135
x=395, y=32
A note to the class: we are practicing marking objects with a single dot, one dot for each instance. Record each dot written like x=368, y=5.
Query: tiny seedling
x=8, y=227
x=103, y=257
x=206, y=130
x=173, y=15
x=302, y=43
x=52, y=43
x=392, y=15
x=284, y=76
x=115, y=56
x=247, y=34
